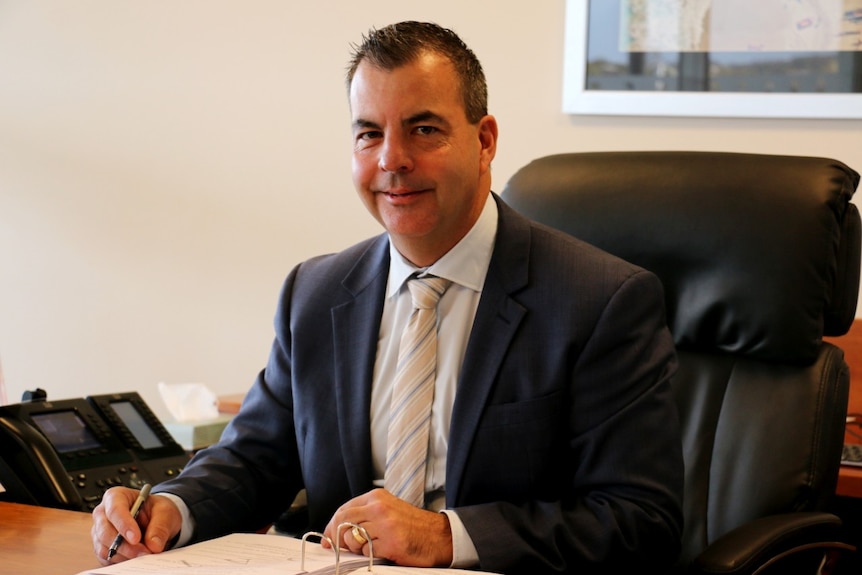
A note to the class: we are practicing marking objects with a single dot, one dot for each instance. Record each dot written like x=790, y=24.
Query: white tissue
x=189, y=401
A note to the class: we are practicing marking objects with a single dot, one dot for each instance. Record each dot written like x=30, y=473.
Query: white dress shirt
x=466, y=266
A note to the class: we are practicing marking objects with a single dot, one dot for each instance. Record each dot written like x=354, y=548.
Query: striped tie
x=413, y=393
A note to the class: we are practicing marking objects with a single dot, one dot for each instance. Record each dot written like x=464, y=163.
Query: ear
x=487, y=141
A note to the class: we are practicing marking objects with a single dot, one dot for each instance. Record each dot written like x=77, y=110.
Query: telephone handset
x=67, y=453
x=27, y=449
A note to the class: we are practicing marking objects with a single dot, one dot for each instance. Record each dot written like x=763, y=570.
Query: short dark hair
x=401, y=43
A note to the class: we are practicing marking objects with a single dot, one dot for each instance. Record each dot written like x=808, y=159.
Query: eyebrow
x=424, y=116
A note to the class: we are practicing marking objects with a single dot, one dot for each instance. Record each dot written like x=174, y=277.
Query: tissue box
x=194, y=435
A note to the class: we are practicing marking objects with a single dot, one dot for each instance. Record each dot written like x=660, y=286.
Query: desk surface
x=44, y=541
x=850, y=478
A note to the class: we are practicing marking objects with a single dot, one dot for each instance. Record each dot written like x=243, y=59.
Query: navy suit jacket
x=564, y=451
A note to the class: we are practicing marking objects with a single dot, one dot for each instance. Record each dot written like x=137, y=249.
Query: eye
x=366, y=139
x=368, y=135
x=426, y=130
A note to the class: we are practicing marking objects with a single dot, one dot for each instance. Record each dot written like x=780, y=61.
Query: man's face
x=422, y=170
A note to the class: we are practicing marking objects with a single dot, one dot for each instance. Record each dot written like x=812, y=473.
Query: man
x=553, y=444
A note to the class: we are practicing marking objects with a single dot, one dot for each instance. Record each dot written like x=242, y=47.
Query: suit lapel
x=356, y=325
x=497, y=319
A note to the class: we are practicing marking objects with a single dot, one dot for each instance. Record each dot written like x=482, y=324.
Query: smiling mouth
x=401, y=193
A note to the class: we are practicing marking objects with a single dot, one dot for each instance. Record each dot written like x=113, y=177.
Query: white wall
x=164, y=164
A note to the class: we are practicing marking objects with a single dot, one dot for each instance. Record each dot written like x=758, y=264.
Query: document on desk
x=256, y=554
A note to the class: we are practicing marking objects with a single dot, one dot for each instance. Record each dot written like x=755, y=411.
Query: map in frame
x=740, y=25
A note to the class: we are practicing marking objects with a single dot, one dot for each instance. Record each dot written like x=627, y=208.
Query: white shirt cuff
x=464, y=553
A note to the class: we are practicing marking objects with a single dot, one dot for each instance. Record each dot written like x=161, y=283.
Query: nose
x=395, y=156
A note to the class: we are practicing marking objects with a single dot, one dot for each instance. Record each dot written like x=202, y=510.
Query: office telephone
x=67, y=453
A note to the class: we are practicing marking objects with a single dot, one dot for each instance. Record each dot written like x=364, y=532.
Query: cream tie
x=413, y=393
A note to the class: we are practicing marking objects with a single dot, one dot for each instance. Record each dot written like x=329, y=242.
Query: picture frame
x=579, y=98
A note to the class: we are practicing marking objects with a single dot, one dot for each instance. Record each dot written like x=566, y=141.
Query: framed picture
x=726, y=58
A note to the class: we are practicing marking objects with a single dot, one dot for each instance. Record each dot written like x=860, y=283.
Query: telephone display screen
x=136, y=424
x=66, y=431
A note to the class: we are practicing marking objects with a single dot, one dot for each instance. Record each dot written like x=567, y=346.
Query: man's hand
x=159, y=519
x=399, y=531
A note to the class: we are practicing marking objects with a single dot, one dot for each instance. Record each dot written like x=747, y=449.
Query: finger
x=345, y=513
x=350, y=542
x=338, y=536
x=103, y=530
x=359, y=534
x=116, y=505
x=124, y=552
x=361, y=538
x=100, y=550
x=353, y=538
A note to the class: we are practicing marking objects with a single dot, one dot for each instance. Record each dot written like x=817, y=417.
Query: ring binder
x=337, y=548
x=247, y=553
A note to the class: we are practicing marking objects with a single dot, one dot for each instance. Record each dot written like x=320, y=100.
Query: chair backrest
x=759, y=256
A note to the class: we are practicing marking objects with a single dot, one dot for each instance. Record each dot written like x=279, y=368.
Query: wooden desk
x=850, y=478
x=44, y=541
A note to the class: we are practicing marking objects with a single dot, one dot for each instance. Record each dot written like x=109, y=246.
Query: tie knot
x=427, y=291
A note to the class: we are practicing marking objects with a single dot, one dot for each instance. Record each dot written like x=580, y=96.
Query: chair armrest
x=751, y=546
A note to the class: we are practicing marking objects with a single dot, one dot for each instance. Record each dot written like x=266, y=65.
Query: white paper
x=254, y=554
x=230, y=555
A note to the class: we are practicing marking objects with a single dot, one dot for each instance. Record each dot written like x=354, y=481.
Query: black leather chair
x=759, y=256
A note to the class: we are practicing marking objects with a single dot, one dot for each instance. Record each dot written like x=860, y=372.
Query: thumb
x=165, y=522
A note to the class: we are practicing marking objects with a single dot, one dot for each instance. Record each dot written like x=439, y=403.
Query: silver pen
x=136, y=508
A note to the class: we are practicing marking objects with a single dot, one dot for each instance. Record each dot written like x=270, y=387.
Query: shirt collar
x=465, y=264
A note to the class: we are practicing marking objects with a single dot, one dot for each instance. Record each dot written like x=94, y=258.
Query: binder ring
x=337, y=548
x=363, y=533
x=322, y=536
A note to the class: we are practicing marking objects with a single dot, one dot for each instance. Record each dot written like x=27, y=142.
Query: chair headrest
x=758, y=254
